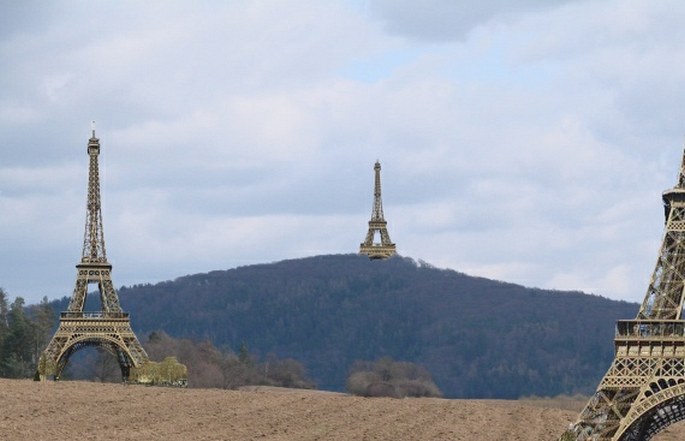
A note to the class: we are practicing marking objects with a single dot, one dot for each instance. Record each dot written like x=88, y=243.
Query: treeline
x=24, y=333
x=210, y=367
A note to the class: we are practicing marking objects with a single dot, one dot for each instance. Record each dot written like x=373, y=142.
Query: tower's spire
x=377, y=225
x=666, y=293
x=93, y=238
x=377, y=213
x=681, y=177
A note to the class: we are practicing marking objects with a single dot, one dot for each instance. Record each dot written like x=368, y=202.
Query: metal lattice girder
x=110, y=327
x=94, y=236
x=643, y=391
x=94, y=273
x=377, y=225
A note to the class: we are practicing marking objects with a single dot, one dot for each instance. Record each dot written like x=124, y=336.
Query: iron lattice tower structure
x=377, y=225
x=643, y=391
x=109, y=328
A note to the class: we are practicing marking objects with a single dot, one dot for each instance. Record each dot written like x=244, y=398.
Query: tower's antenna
x=92, y=128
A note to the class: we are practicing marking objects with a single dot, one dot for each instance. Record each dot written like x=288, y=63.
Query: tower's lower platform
x=377, y=251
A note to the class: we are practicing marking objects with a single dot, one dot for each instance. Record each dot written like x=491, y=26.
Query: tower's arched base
x=111, y=331
x=643, y=392
x=669, y=410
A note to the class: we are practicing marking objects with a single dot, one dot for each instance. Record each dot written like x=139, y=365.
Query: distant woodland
x=322, y=320
x=24, y=333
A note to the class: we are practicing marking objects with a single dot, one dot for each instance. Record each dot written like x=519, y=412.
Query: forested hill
x=477, y=337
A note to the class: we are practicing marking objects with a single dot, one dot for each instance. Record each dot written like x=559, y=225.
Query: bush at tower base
x=164, y=373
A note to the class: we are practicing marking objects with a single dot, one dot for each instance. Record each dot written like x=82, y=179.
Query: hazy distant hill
x=478, y=337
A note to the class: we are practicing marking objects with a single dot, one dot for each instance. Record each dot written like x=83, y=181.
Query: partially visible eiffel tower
x=377, y=225
x=109, y=328
x=643, y=391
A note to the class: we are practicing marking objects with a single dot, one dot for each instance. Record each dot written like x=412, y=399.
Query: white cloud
x=513, y=145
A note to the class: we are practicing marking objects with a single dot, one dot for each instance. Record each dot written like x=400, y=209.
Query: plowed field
x=56, y=411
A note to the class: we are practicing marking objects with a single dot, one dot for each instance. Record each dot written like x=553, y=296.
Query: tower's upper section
x=666, y=293
x=377, y=213
x=676, y=193
x=681, y=175
x=94, y=238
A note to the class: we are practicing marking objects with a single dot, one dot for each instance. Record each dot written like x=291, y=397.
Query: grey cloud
x=446, y=20
x=19, y=17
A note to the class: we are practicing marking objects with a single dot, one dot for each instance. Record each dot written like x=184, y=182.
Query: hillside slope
x=479, y=338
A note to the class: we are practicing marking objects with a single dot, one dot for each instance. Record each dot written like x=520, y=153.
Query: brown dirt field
x=56, y=411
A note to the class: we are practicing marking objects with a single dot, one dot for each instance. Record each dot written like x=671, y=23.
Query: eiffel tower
x=643, y=391
x=377, y=224
x=109, y=328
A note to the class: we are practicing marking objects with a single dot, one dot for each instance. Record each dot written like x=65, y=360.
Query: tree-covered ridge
x=477, y=337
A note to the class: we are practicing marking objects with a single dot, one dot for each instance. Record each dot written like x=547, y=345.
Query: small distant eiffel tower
x=377, y=225
x=643, y=392
x=109, y=328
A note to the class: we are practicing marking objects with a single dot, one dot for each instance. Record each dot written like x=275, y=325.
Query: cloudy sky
x=524, y=141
